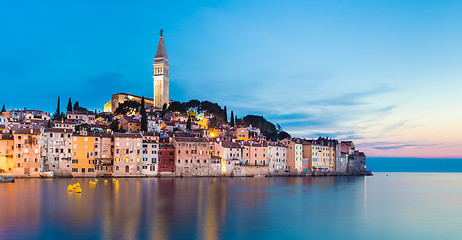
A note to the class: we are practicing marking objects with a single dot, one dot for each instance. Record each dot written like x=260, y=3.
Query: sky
x=385, y=74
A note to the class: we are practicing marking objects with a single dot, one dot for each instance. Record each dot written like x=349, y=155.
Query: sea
x=388, y=205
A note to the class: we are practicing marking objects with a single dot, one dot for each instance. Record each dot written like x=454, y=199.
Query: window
x=75, y=170
x=126, y=159
x=75, y=161
x=91, y=170
x=153, y=160
x=83, y=170
x=138, y=159
x=179, y=161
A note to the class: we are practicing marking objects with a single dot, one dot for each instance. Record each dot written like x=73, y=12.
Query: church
x=160, y=79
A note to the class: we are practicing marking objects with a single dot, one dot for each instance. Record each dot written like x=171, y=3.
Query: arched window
x=127, y=169
x=117, y=168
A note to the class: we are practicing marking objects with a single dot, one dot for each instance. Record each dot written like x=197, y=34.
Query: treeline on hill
x=217, y=116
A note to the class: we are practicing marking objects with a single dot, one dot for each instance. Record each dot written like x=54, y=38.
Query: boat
x=6, y=179
x=49, y=174
x=259, y=176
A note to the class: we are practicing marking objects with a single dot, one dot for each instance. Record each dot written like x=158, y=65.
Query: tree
x=144, y=117
x=115, y=126
x=49, y=123
x=176, y=106
x=225, y=115
x=3, y=109
x=188, y=123
x=232, y=118
x=195, y=104
x=164, y=110
x=76, y=105
x=268, y=129
x=236, y=120
x=129, y=107
x=69, y=105
x=57, y=115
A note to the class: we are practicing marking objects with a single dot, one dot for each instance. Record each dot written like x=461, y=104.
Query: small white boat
x=49, y=174
x=259, y=176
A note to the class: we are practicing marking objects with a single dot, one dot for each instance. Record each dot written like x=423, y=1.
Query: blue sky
x=386, y=74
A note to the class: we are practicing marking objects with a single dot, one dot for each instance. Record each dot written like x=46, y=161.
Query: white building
x=56, y=145
x=150, y=158
x=277, y=157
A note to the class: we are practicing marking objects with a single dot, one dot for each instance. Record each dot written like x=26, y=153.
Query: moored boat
x=49, y=174
x=6, y=179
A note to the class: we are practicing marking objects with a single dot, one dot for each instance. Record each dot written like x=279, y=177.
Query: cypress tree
x=49, y=123
x=236, y=120
x=225, y=115
x=164, y=110
x=76, y=106
x=69, y=105
x=188, y=123
x=3, y=109
x=57, y=115
x=144, y=117
x=232, y=119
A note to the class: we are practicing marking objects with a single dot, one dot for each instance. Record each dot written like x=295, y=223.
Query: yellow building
x=119, y=98
x=6, y=153
x=83, y=155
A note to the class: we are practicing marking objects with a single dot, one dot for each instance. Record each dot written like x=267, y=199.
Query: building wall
x=83, y=157
x=104, y=155
x=166, y=158
x=57, y=151
x=295, y=155
x=127, y=155
x=256, y=154
x=150, y=158
x=6, y=153
x=26, y=158
x=277, y=158
x=193, y=156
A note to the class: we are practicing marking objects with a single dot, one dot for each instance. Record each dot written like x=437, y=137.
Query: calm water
x=397, y=206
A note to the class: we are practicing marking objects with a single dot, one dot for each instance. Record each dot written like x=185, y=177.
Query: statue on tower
x=161, y=32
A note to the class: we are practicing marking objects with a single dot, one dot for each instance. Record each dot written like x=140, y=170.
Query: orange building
x=6, y=153
x=256, y=154
x=26, y=158
x=83, y=155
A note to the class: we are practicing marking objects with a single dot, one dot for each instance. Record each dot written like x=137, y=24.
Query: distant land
x=414, y=164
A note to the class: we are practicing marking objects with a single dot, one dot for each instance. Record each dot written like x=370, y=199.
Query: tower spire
x=161, y=79
x=161, y=49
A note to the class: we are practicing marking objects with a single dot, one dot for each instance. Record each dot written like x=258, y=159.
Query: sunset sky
x=385, y=74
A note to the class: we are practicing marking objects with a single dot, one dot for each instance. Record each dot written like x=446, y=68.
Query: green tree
x=232, y=118
x=225, y=115
x=194, y=104
x=144, y=117
x=49, y=123
x=3, y=109
x=69, y=105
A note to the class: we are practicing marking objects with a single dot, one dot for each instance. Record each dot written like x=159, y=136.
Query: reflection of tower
x=161, y=79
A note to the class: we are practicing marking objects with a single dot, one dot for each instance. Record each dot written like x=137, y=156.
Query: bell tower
x=161, y=79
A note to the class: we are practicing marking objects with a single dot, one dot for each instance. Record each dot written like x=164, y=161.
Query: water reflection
x=187, y=208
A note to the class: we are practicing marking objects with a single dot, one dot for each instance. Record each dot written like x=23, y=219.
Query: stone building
x=232, y=156
x=255, y=154
x=161, y=75
x=150, y=157
x=104, y=155
x=87, y=117
x=26, y=158
x=57, y=151
x=193, y=156
x=127, y=154
x=277, y=158
x=6, y=153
